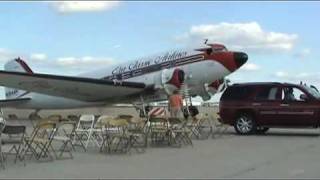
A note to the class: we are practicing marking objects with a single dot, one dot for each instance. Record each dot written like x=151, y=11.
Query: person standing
x=175, y=104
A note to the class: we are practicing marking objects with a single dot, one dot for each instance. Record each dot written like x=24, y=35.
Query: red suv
x=256, y=107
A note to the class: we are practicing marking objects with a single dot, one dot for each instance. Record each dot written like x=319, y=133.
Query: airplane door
x=266, y=102
x=293, y=110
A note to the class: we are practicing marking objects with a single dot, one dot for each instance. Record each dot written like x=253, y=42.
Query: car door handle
x=256, y=104
x=284, y=105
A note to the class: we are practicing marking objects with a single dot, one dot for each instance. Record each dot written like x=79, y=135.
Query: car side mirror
x=303, y=97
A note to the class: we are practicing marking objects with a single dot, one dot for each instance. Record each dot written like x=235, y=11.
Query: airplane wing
x=13, y=102
x=84, y=89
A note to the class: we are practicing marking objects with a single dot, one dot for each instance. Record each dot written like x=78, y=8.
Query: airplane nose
x=240, y=58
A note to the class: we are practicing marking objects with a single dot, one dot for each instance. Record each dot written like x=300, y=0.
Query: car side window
x=236, y=93
x=273, y=93
x=268, y=93
x=292, y=94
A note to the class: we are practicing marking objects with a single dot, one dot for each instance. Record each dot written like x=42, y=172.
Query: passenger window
x=292, y=94
x=267, y=94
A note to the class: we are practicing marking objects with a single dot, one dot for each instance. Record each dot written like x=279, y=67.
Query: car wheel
x=262, y=130
x=245, y=124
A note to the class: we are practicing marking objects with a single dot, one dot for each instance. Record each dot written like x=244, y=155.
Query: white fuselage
x=197, y=74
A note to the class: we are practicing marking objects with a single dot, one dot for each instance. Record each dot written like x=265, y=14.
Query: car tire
x=245, y=124
x=262, y=130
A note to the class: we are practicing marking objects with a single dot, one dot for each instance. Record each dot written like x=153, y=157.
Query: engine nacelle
x=217, y=86
x=209, y=90
x=172, y=79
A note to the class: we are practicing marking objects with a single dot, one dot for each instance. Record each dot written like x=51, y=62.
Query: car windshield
x=313, y=92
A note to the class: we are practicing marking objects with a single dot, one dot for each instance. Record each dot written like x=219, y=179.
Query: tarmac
x=280, y=153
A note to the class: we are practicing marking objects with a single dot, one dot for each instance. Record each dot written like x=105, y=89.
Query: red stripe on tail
x=24, y=65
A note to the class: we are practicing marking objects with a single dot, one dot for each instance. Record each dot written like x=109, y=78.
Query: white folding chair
x=85, y=128
x=2, y=125
x=98, y=128
x=219, y=128
x=101, y=129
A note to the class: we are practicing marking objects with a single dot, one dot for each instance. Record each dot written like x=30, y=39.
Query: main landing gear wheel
x=245, y=124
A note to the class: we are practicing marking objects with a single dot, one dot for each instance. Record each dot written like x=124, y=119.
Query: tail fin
x=16, y=65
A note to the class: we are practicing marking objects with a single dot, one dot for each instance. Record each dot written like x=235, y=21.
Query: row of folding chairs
x=46, y=134
x=102, y=132
x=206, y=125
x=2, y=125
x=169, y=131
x=12, y=136
x=201, y=126
x=111, y=134
x=39, y=143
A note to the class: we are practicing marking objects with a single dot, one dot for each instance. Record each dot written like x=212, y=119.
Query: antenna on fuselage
x=205, y=41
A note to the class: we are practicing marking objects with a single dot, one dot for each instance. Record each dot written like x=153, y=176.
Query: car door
x=297, y=111
x=266, y=102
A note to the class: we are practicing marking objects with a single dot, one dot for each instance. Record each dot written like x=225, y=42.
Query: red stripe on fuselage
x=225, y=58
x=158, y=67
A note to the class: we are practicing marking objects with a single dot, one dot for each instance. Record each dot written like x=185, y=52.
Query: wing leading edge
x=13, y=102
x=84, y=89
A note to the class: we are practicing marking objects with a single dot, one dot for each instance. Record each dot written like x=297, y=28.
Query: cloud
x=305, y=77
x=116, y=46
x=38, y=57
x=281, y=74
x=296, y=76
x=240, y=36
x=303, y=54
x=84, y=62
x=83, y=6
x=237, y=78
x=250, y=67
x=40, y=62
x=6, y=55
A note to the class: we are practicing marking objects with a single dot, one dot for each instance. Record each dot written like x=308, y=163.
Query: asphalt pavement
x=281, y=153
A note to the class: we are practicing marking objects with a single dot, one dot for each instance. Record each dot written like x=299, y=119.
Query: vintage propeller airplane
x=152, y=78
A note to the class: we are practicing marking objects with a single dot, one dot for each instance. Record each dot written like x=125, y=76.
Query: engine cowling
x=217, y=86
x=209, y=90
x=172, y=79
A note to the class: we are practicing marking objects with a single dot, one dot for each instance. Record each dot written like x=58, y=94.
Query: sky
x=69, y=38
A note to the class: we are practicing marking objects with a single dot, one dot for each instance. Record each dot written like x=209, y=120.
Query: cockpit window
x=209, y=51
x=214, y=48
x=219, y=48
